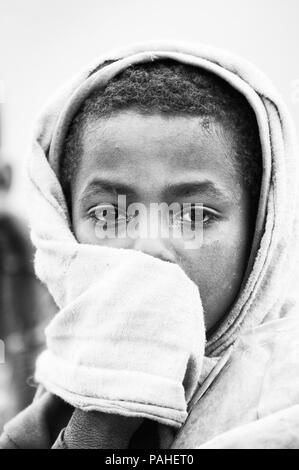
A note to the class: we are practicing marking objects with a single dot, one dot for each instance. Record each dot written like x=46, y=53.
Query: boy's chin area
x=157, y=158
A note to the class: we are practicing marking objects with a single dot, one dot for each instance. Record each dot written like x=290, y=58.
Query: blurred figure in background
x=24, y=305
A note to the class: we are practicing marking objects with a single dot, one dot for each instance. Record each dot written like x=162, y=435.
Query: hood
x=266, y=293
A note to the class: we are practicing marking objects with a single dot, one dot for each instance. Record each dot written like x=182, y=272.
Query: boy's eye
x=109, y=217
x=108, y=214
x=196, y=215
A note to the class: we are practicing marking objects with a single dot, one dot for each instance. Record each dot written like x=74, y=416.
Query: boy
x=166, y=124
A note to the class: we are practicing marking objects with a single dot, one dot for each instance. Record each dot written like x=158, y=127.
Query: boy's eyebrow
x=194, y=187
x=179, y=189
x=107, y=185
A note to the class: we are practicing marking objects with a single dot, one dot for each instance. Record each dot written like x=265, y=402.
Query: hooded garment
x=248, y=391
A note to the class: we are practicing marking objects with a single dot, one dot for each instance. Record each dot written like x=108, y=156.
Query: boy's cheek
x=86, y=232
x=217, y=269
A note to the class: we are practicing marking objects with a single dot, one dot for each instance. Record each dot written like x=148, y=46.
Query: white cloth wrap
x=129, y=338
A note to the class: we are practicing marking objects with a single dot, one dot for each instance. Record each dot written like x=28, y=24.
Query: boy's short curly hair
x=173, y=89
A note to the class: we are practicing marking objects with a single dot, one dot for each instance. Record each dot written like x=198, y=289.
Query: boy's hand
x=94, y=430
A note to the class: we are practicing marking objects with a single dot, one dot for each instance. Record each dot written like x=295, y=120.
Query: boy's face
x=154, y=158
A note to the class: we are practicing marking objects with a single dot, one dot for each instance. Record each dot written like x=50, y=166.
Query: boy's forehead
x=156, y=146
x=155, y=158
